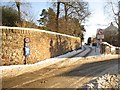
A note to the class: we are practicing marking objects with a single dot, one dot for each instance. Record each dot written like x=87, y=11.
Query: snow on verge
x=14, y=70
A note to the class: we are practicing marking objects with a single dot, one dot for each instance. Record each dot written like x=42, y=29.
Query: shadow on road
x=81, y=70
x=91, y=69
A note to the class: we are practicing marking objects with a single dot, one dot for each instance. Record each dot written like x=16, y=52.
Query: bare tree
x=22, y=8
x=77, y=10
x=116, y=14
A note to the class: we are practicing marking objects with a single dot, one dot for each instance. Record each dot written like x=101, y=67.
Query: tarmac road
x=71, y=73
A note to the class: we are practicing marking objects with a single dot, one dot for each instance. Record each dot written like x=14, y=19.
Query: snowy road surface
x=71, y=73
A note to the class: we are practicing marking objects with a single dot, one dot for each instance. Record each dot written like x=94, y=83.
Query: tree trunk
x=57, y=18
x=65, y=8
x=18, y=7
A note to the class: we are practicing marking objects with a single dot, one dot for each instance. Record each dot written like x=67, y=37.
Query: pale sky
x=98, y=19
x=95, y=21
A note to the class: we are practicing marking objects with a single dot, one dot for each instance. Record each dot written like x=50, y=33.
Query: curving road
x=71, y=73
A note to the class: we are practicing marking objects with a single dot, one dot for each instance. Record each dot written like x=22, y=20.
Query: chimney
x=111, y=24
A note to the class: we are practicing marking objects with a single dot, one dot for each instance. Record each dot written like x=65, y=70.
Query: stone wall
x=43, y=45
x=109, y=49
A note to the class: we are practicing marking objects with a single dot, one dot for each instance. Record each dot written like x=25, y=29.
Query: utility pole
x=119, y=23
x=119, y=35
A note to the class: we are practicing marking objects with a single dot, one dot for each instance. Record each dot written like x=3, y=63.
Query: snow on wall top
x=38, y=30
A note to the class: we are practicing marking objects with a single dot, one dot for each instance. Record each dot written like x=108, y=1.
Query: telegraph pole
x=119, y=23
x=118, y=35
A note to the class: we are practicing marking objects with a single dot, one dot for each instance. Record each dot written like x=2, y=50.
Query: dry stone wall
x=43, y=45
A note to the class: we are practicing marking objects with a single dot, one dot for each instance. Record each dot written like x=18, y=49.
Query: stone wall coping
x=38, y=30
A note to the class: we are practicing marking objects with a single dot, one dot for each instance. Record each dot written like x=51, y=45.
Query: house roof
x=111, y=28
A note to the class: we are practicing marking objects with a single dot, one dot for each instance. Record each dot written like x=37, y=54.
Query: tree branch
x=113, y=9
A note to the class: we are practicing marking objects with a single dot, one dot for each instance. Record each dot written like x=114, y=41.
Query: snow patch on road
x=106, y=79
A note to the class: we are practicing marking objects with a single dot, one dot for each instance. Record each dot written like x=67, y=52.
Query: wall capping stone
x=39, y=30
